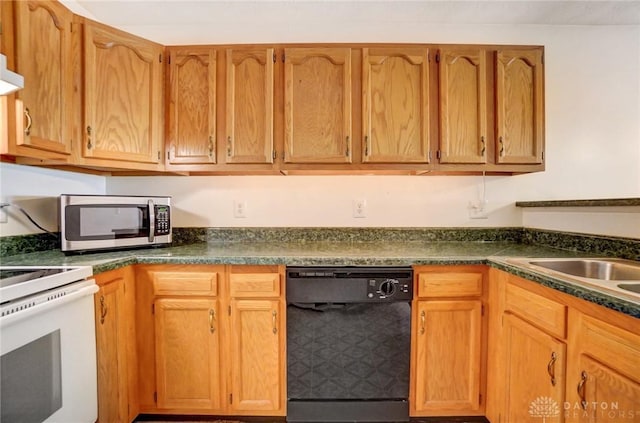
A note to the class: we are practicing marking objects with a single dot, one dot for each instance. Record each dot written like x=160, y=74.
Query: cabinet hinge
x=229, y=310
x=160, y=57
x=169, y=60
x=155, y=397
x=437, y=57
x=438, y=154
x=282, y=57
x=230, y=398
x=482, y=310
x=153, y=309
x=274, y=57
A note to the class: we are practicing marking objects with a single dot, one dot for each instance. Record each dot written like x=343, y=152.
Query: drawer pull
x=422, y=322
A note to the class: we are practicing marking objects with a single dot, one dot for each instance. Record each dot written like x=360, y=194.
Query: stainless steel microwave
x=106, y=222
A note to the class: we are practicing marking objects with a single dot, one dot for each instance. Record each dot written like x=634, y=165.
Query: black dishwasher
x=348, y=343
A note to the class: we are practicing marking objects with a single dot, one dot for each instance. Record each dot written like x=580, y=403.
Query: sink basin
x=631, y=287
x=617, y=277
x=604, y=269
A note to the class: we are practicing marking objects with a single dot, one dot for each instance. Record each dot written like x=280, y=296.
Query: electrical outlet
x=478, y=209
x=240, y=209
x=359, y=208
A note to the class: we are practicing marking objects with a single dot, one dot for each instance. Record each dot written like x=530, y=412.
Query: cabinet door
x=604, y=395
x=249, y=108
x=519, y=106
x=123, y=96
x=395, y=105
x=317, y=105
x=448, y=356
x=534, y=378
x=43, y=57
x=192, y=106
x=463, y=106
x=257, y=352
x=188, y=353
x=111, y=353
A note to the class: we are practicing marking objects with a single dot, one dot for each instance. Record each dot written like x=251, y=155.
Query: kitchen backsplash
x=589, y=244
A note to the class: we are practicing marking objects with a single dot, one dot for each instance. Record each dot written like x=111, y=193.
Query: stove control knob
x=388, y=287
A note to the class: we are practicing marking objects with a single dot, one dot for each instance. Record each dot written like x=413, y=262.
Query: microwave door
x=107, y=222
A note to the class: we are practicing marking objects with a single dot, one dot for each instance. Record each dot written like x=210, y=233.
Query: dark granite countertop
x=601, y=202
x=323, y=253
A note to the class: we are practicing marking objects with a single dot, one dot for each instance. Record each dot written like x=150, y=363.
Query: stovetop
x=21, y=281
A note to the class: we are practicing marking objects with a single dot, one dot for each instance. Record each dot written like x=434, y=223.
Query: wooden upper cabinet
x=249, y=109
x=463, y=105
x=317, y=105
x=123, y=96
x=519, y=106
x=192, y=106
x=395, y=105
x=43, y=57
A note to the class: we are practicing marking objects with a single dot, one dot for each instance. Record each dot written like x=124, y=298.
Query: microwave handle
x=152, y=220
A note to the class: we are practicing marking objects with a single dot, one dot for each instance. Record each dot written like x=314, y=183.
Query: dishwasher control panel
x=349, y=284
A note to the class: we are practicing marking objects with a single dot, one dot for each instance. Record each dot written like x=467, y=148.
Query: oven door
x=48, y=362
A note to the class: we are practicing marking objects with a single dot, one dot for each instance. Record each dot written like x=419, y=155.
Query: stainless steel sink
x=617, y=277
x=607, y=269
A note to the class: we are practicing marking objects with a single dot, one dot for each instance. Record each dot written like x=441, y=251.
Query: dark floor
x=204, y=419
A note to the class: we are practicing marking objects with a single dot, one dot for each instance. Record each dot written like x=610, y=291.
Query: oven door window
x=100, y=222
x=31, y=380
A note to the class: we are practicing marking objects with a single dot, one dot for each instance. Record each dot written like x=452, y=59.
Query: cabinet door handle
x=366, y=145
x=551, y=368
x=27, y=114
x=103, y=310
x=582, y=390
x=229, y=146
x=212, y=319
x=501, y=141
x=347, y=150
x=211, y=146
x=484, y=148
x=422, y=322
x=89, y=138
x=274, y=317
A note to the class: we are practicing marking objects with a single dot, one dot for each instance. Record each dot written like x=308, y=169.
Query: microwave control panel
x=163, y=220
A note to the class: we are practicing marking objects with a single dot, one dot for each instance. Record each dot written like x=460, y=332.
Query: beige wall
x=592, y=135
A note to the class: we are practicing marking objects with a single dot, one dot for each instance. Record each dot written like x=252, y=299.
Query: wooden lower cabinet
x=448, y=341
x=256, y=339
x=603, y=371
x=534, y=381
x=211, y=339
x=596, y=370
x=188, y=353
x=115, y=347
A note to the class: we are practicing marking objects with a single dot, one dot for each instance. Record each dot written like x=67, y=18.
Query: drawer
x=542, y=312
x=254, y=284
x=185, y=283
x=449, y=284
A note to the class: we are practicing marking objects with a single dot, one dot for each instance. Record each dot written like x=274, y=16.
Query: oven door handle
x=41, y=308
x=152, y=220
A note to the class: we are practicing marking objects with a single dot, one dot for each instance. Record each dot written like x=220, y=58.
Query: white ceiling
x=163, y=19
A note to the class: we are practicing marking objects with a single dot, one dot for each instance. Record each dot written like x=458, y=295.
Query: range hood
x=9, y=80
